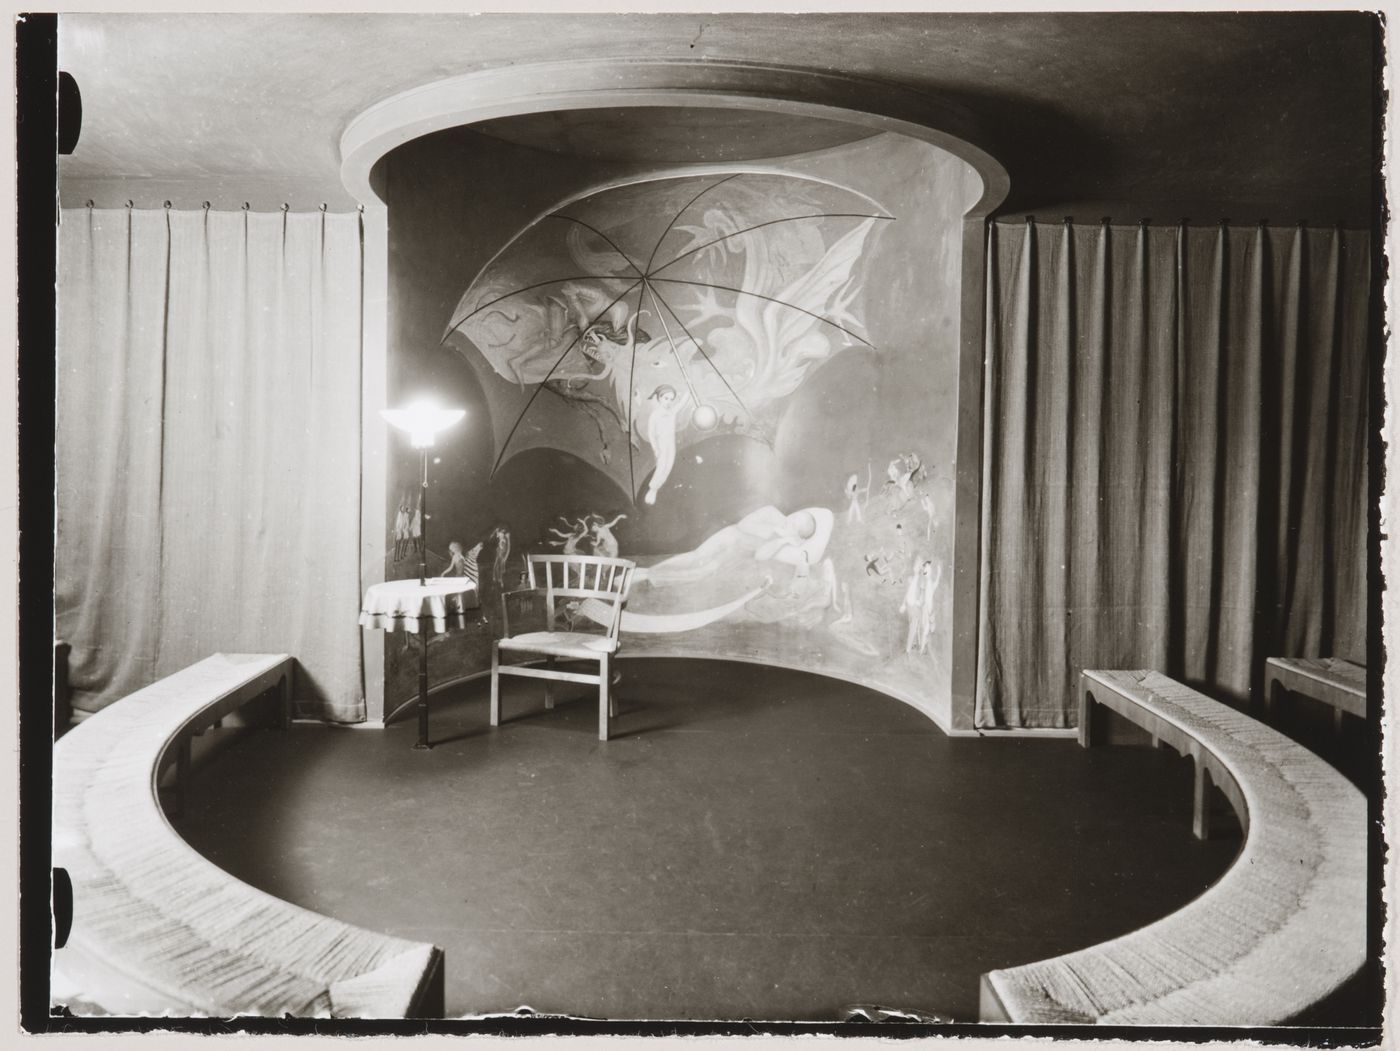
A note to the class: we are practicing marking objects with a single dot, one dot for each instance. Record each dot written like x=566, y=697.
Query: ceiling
x=1245, y=116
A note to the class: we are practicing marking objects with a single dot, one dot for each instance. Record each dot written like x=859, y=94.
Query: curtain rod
x=247, y=207
x=1108, y=220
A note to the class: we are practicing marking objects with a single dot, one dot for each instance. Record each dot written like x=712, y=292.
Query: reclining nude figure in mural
x=680, y=592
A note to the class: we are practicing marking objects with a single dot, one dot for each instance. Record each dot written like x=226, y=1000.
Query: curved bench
x=160, y=930
x=1281, y=930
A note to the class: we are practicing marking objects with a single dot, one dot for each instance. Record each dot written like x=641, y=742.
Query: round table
x=437, y=604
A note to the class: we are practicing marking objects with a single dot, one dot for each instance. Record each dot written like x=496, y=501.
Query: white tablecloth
x=438, y=604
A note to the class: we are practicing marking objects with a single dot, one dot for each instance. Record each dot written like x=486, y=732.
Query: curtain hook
x=323, y=206
x=246, y=206
x=285, y=206
x=167, y=205
x=131, y=204
x=206, y=206
x=89, y=203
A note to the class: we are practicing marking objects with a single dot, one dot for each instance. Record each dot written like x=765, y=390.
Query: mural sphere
x=705, y=418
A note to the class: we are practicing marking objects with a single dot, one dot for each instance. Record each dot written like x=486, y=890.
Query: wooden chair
x=583, y=591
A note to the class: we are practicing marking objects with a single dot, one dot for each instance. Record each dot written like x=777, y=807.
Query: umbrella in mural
x=661, y=312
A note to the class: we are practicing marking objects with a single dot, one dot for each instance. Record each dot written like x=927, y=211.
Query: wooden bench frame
x=160, y=930
x=1209, y=768
x=1253, y=949
x=1312, y=678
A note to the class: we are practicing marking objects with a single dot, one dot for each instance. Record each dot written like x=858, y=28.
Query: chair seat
x=578, y=644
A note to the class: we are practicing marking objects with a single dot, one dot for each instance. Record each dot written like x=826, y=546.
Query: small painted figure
x=401, y=525
x=904, y=472
x=602, y=537
x=571, y=536
x=500, y=536
x=918, y=605
x=855, y=511
x=661, y=436
x=462, y=564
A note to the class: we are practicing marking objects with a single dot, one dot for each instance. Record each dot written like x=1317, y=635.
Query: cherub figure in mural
x=926, y=502
x=856, y=496
x=500, y=536
x=661, y=436
x=918, y=604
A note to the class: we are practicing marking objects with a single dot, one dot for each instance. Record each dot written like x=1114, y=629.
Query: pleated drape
x=1174, y=458
x=208, y=449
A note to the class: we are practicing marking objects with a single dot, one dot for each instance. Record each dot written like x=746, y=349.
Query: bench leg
x=1085, y=703
x=284, y=701
x=495, y=685
x=604, y=683
x=1272, y=692
x=182, y=776
x=1200, y=803
x=548, y=684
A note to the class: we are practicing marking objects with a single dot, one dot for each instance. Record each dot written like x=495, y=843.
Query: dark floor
x=754, y=843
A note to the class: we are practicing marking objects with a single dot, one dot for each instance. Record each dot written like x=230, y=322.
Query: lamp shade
x=422, y=420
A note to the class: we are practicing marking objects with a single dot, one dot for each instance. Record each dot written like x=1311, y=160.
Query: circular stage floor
x=754, y=843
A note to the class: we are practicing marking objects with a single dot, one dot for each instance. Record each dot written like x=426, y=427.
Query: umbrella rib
x=631, y=399
x=657, y=296
x=770, y=299
x=760, y=226
x=627, y=259
x=657, y=247
x=525, y=288
x=558, y=361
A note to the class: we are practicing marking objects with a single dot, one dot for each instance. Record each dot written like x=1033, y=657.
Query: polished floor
x=753, y=843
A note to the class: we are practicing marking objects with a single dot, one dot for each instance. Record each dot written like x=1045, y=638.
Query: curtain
x=1175, y=458
x=208, y=447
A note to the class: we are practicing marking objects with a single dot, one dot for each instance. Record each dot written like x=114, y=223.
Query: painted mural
x=668, y=311
x=744, y=383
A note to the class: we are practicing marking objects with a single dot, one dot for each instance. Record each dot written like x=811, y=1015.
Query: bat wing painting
x=663, y=312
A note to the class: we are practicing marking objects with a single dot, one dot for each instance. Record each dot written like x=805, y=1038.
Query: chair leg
x=604, y=681
x=612, y=693
x=548, y=684
x=495, y=685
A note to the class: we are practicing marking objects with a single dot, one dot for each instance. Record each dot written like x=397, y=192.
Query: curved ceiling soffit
x=607, y=83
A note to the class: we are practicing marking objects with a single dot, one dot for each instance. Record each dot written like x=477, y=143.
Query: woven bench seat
x=1281, y=930
x=158, y=929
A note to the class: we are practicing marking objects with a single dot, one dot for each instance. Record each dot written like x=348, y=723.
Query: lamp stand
x=423, y=524
x=422, y=580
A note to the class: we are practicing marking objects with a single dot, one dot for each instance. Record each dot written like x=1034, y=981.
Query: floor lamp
x=422, y=420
